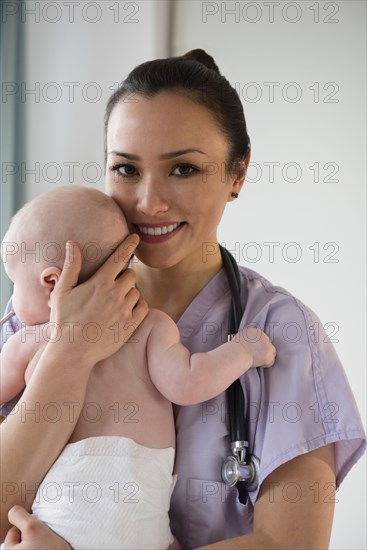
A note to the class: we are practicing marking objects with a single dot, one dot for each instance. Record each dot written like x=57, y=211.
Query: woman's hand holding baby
x=99, y=315
x=29, y=533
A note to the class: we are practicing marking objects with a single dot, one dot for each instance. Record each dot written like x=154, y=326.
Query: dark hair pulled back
x=198, y=77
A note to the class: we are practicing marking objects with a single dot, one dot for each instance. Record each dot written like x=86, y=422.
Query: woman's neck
x=173, y=289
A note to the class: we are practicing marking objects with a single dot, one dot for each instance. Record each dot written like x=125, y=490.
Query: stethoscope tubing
x=242, y=468
x=6, y=318
x=235, y=394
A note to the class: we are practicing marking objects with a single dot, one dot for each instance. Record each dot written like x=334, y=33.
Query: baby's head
x=33, y=249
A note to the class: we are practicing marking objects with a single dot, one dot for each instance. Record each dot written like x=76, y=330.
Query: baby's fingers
x=270, y=356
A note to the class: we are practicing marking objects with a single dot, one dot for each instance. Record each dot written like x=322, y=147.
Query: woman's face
x=166, y=170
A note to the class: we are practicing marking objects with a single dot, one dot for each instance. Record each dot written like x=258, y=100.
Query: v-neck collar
x=201, y=304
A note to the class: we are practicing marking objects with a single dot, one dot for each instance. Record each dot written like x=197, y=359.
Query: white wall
x=320, y=51
x=93, y=57
x=74, y=55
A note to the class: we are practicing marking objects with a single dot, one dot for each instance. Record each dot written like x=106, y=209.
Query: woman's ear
x=48, y=279
x=240, y=175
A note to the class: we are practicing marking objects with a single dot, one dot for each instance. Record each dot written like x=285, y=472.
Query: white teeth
x=158, y=230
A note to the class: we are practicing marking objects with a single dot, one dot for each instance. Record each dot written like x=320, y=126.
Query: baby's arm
x=15, y=357
x=13, y=365
x=187, y=379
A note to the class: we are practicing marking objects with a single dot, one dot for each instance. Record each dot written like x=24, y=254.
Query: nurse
x=170, y=129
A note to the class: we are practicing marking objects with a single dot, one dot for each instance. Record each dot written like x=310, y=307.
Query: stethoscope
x=241, y=468
x=6, y=317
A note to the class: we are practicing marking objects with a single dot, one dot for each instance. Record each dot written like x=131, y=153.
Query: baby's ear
x=50, y=276
x=48, y=279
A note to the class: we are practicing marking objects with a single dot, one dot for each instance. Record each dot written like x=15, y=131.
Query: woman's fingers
x=71, y=268
x=119, y=259
x=137, y=310
x=113, y=266
x=102, y=311
x=13, y=537
x=132, y=298
x=125, y=282
x=30, y=533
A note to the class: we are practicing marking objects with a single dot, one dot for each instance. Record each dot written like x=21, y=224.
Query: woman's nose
x=151, y=199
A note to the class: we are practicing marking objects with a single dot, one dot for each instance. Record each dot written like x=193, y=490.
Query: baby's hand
x=258, y=345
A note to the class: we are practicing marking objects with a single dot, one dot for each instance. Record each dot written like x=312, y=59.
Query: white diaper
x=110, y=493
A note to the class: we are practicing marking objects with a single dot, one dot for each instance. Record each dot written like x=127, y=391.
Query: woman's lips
x=157, y=232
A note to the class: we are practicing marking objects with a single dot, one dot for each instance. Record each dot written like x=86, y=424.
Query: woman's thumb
x=71, y=268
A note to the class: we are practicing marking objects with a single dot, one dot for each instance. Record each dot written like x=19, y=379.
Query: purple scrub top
x=300, y=404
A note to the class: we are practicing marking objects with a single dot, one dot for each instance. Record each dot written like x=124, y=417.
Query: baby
x=111, y=485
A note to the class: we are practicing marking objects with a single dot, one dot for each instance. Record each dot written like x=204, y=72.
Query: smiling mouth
x=161, y=230
x=150, y=233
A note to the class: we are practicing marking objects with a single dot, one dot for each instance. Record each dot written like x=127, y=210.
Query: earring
x=235, y=195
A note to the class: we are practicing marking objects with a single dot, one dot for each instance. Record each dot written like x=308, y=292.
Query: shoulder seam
x=318, y=382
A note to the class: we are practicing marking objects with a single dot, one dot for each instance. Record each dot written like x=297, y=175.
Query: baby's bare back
x=121, y=399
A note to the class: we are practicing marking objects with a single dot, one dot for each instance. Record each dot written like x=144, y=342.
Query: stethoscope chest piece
x=234, y=471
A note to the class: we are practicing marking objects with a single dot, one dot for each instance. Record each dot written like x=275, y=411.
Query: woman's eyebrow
x=165, y=156
x=174, y=154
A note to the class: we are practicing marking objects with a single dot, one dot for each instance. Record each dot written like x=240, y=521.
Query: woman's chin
x=154, y=260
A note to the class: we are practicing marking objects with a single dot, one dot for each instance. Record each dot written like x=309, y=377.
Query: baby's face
x=29, y=300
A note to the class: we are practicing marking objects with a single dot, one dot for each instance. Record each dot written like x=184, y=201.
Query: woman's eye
x=127, y=170
x=184, y=170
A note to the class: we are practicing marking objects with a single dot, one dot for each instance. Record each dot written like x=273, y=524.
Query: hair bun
x=202, y=57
